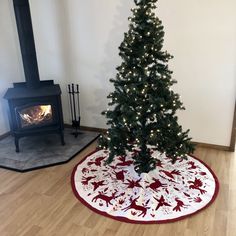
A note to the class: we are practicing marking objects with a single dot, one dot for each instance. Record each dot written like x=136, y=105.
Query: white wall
x=51, y=46
x=77, y=41
x=11, y=68
x=202, y=37
x=81, y=40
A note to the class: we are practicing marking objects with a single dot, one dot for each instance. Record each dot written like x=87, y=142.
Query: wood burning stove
x=34, y=106
x=35, y=111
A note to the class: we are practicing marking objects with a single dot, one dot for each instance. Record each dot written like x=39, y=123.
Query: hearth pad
x=43, y=151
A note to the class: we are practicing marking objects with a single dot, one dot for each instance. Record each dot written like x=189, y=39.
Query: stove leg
x=17, y=144
x=62, y=139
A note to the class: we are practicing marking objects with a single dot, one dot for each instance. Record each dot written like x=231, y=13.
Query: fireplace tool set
x=73, y=90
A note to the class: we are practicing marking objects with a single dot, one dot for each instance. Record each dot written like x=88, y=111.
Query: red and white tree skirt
x=166, y=194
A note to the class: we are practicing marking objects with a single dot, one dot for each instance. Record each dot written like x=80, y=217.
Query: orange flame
x=36, y=114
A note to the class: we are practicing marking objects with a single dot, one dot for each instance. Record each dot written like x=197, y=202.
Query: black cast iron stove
x=34, y=106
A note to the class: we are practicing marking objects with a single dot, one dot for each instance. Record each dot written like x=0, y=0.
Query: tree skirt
x=166, y=194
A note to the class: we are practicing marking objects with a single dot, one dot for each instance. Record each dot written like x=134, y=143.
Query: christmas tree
x=143, y=105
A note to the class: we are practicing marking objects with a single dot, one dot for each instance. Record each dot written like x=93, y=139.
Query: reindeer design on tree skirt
x=106, y=198
x=135, y=206
x=168, y=193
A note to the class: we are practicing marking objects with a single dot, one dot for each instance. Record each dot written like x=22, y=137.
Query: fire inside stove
x=36, y=115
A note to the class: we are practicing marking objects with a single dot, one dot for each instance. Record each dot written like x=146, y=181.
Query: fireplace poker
x=71, y=109
x=73, y=97
x=77, y=92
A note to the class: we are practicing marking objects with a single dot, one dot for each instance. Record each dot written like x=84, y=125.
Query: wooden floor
x=42, y=203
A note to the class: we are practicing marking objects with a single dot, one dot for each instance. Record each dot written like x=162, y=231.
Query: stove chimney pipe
x=26, y=37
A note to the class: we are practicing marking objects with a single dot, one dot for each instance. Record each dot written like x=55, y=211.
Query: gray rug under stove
x=43, y=151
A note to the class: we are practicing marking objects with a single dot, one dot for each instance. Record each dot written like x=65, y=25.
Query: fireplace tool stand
x=73, y=90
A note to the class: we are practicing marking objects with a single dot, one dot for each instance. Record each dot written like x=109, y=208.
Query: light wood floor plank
x=41, y=203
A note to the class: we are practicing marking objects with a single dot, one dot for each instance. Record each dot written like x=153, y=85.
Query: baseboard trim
x=212, y=146
x=233, y=134
x=87, y=128
x=99, y=130
x=2, y=136
x=198, y=144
